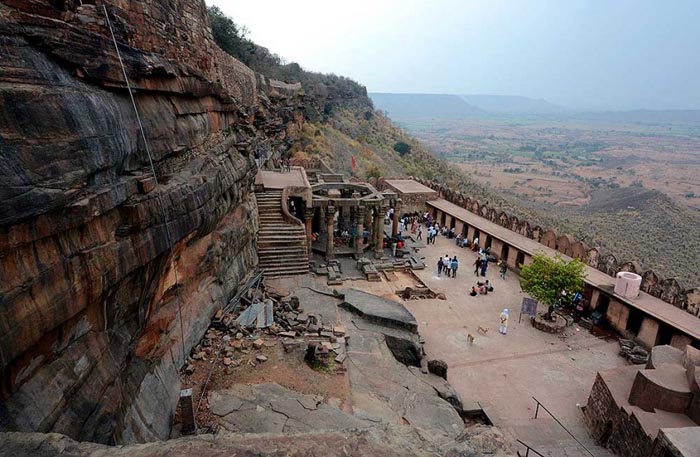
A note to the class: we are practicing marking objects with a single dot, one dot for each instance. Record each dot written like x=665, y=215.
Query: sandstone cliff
x=90, y=339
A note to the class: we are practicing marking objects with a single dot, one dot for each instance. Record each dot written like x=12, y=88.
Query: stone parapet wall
x=669, y=289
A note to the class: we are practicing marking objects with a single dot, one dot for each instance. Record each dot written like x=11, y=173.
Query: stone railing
x=668, y=289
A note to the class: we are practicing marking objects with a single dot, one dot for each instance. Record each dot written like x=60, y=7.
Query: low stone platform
x=556, y=325
x=276, y=180
x=379, y=310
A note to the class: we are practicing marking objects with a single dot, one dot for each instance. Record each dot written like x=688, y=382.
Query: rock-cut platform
x=379, y=310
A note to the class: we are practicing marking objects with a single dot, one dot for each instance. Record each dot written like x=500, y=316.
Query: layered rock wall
x=92, y=287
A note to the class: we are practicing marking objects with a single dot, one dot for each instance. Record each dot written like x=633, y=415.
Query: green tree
x=402, y=148
x=546, y=277
x=228, y=35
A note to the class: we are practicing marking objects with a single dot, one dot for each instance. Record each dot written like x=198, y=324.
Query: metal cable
x=155, y=177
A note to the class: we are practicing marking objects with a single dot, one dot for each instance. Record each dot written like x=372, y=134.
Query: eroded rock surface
x=385, y=441
x=270, y=408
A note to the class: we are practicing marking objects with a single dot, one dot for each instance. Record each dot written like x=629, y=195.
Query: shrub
x=402, y=148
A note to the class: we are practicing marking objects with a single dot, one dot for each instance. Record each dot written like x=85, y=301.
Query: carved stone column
x=330, y=214
x=395, y=219
x=359, y=220
x=308, y=221
x=379, y=233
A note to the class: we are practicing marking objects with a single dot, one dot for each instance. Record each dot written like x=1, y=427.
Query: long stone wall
x=669, y=289
x=90, y=335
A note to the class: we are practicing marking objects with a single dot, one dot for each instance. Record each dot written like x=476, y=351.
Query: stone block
x=691, y=357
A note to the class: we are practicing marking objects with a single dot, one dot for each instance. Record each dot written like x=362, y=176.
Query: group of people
x=448, y=266
x=432, y=234
x=481, y=288
x=284, y=164
x=481, y=264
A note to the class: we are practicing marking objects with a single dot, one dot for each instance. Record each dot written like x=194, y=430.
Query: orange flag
x=353, y=162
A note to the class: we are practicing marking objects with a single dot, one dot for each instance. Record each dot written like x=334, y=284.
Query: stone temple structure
x=354, y=211
x=649, y=411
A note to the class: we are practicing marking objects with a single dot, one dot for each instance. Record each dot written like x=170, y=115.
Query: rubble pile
x=633, y=352
x=261, y=321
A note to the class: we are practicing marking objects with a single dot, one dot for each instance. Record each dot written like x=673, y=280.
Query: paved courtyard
x=504, y=372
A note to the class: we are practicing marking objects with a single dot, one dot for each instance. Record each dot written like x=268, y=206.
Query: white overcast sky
x=615, y=54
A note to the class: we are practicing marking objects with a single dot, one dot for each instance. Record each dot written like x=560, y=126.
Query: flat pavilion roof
x=409, y=186
x=276, y=180
x=655, y=307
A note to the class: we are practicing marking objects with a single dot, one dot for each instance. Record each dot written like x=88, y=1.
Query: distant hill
x=513, y=104
x=424, y=106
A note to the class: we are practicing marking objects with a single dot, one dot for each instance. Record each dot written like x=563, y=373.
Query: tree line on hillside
x=328, y=90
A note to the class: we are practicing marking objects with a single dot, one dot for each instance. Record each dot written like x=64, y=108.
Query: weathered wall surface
x=669, y=290
x=90, y=340
x=614, y=427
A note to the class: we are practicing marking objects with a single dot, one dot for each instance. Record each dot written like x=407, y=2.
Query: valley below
x=629, y=186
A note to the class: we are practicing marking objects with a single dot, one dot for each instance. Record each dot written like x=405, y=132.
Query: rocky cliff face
x=90, y=335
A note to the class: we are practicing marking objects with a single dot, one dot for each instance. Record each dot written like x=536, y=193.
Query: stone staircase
x=282, y=248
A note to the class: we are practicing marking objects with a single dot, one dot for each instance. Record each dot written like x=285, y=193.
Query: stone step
x=282, y=225
x=284, y=236
x=273, y=273
x=291, y=250
x=283, y=254
x=282, y=231
x=272, y=220
x=275, y=265
x=279, y=244
x=289, y=235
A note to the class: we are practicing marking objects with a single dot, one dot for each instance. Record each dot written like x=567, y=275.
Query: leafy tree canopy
x=402, y=148
x=546, y=277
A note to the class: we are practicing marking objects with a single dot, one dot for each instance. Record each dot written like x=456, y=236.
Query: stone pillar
x=341, y=217
x=308, y=221
x=330, y=246
x=471, y=232
x=359, y=220
x=368, y=218
x=648, y=333
x=379, y=233
x=459, y=227
x=395, y=219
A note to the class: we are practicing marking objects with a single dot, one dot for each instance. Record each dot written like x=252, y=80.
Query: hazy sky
x=609, y=54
